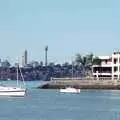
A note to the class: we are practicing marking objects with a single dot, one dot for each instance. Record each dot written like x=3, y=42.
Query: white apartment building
x=110, y=66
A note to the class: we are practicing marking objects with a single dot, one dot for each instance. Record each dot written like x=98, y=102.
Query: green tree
x=87, y=61
x=5, y=64
x=96, y=61
x=82, y=61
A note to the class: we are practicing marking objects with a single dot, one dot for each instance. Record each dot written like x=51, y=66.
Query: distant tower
x=24, y=58
x=46, y=50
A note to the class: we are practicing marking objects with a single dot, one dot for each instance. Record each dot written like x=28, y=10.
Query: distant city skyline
x=66, y=26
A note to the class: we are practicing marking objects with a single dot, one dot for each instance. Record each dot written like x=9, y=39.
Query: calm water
x=53, y=105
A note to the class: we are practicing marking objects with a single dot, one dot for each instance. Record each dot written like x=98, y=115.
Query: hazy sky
x=66, y=26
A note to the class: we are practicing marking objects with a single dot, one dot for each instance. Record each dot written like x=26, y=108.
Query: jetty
x=82, y=83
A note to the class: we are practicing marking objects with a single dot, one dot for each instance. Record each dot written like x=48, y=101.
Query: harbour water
x=53, y=105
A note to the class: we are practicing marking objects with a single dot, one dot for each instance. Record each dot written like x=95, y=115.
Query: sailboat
x=14, y=91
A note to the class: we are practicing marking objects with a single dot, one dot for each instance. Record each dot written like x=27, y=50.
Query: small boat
x=70, y=90
x=17, y=91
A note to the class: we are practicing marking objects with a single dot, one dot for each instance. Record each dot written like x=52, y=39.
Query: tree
x=5, y=64
x=96, y=61
x=90, y=58
x=34, y=64
x=41, y=63
x=78, y=59
x=82, y=61
x=87, y=61
x=52, y=64
x=65, y=64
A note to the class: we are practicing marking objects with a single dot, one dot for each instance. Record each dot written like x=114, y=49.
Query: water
x=53, y=105
x=29, y=84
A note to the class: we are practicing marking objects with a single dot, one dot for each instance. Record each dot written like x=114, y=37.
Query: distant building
x=25, y=58
x=109, y=67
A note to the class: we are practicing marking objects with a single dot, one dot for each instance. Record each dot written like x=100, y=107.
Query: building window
x=115, y=76
x=115, y=69
x=115, y=60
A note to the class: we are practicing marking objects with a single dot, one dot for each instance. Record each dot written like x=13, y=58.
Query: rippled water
x=53, y=105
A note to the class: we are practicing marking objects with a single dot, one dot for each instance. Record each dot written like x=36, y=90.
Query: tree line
x=81, y=66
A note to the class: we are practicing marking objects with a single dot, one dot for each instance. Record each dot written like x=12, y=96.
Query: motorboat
x=70, y=90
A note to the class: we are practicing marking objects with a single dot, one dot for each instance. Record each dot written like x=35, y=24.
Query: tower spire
x=46, y=50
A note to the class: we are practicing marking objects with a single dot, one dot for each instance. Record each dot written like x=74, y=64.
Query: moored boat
x=12, y=91
x=17, y=91
x=70, y=90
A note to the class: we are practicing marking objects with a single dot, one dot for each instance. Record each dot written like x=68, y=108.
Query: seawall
x=82, y=84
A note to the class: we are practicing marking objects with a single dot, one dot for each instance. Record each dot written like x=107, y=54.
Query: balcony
x=103, y=73
x=108, y=64
x=104, y=64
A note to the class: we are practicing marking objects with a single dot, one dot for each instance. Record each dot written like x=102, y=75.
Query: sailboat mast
x=17, y=74
x=22, y=76
x=72, y=70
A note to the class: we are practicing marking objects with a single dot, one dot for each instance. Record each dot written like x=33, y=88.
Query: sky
x=66, y=26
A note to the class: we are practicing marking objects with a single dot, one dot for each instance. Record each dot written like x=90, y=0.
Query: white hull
x=19, y=94
x=12, y=91
x=70, y=90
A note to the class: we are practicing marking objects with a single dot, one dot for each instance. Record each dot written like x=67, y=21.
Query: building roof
x=104, y=57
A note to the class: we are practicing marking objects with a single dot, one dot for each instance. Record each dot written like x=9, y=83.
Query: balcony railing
x=102, y=72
